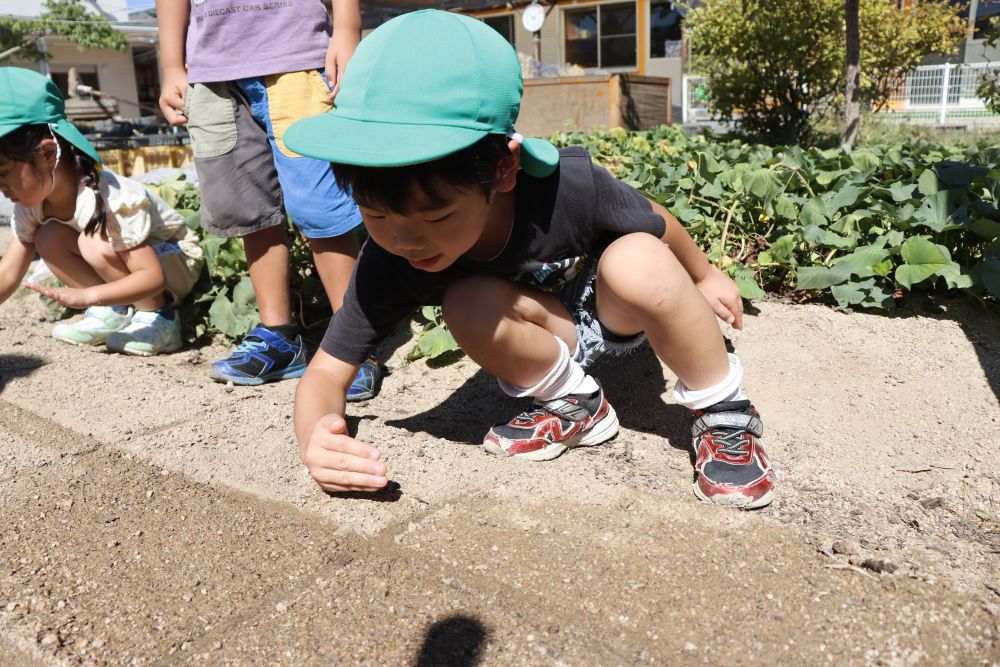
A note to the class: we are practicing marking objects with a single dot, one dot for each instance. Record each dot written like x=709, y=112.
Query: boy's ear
x=508, y=167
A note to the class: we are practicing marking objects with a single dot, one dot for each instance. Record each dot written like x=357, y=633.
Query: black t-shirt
x=558, y=221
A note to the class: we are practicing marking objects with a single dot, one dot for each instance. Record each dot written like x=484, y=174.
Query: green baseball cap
x=420, y=87
x=28, y=98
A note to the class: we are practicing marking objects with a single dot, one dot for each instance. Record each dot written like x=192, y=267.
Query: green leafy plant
x=62, y=17
x=863, y=225
x=435, y=341
x=223, y=299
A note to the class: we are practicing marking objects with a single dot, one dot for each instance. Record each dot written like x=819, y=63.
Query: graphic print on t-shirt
x=553, y=273
x=201, y=14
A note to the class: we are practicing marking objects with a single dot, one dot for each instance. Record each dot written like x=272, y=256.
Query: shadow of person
x=633, y=384
x=467, y=413
x=17, y=365
x=390, y=493
x=456, y=641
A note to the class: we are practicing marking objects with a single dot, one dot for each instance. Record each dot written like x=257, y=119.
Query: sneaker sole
x=93, y=343
x=140, y=353
x=285, y=374
x=737, y=500
x=600, y=433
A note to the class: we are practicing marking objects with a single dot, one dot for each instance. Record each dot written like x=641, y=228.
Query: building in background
x=643, y=37
x=130, y=79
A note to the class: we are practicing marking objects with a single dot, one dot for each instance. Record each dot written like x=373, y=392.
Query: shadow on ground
x=980, y=322
x=633, y=384
x=982, y=328
x=13, y=366
x=456, y=641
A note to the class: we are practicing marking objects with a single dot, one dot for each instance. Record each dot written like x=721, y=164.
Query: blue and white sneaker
x=367, y=383
x=263, y=356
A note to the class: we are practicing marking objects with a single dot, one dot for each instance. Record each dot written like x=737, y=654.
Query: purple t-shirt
x=237, y=39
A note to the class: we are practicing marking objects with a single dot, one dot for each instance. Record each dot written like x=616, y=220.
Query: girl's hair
x=21, y=145
x=392, y=188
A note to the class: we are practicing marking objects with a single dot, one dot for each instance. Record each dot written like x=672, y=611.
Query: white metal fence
x=931, y=95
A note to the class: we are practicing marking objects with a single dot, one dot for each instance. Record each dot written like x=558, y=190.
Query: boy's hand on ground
x=337, y=462
x=342, y=46
x=172, y=96
x=71, y=297
x=723, y=296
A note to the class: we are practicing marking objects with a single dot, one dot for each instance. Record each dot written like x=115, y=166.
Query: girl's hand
x=337, y=462
x=71, y=297
x=723, y=296
x=342, y=46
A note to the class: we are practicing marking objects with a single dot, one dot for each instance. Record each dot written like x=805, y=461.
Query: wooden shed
x=595, y=101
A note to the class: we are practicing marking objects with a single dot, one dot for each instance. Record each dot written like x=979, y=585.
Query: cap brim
x=370, y=144
x=539, y=158
x=68, y=131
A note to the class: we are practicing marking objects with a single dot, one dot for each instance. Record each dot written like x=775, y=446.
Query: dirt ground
x=152, y=517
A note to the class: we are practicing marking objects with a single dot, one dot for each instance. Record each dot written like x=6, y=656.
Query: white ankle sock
x=727, y=390
x=565, y=377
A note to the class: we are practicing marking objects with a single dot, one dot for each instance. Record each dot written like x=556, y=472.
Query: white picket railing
x=931, y=95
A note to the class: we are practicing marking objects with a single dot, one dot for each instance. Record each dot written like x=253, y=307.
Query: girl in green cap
x=125, y=256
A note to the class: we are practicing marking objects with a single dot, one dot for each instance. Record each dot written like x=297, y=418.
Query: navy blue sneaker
x=367, y=383
x=264, y=355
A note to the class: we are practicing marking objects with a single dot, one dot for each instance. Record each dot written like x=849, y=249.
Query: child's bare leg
x=506, y=329
x=642, y=287
x=99, y=254
x=268, y=258
x=524, y=337
x=58, y=246
x=334, y=258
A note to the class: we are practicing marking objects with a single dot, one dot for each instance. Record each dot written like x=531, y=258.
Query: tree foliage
x=66, y=18
x=775, y=65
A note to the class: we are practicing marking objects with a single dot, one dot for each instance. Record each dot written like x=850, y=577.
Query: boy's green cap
x=28, y=98
x=420, y=87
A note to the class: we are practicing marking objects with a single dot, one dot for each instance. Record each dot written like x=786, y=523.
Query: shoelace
x=251, y=344
x=733, y=443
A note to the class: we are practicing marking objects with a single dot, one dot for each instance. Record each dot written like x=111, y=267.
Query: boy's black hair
x=21, y=145
x=391, y=189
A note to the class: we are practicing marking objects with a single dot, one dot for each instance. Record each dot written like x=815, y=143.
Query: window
x=664, y=29
x=503, y=25
x=601, y=36
x=986, y=12
x=85, y=77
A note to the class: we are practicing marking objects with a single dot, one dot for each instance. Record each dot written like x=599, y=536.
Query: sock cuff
x=515, y=391
x=702, y=398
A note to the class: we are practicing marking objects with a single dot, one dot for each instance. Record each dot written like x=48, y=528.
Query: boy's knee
x=638, y=268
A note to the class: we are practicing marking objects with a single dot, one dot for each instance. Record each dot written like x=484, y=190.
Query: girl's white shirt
x=135, y=215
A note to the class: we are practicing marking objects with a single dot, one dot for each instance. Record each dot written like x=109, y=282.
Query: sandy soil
x=153, y=517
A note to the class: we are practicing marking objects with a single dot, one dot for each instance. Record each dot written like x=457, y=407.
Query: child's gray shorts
x=594, y=340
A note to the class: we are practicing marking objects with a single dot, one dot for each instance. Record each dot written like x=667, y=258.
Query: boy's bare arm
x=718, y=289
x=346, y=35
x=172, y=17
x=336, y=461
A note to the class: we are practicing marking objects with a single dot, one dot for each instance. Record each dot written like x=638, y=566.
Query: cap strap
x=52, y=131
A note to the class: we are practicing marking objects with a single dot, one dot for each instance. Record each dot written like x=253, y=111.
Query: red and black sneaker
x=551, y=427
x=730, y=459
